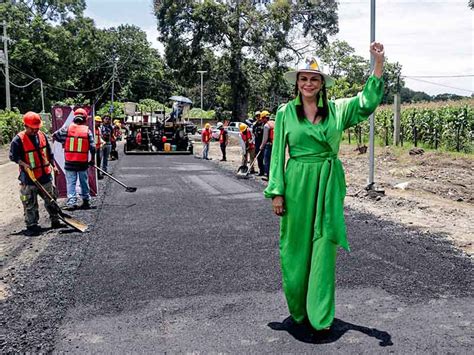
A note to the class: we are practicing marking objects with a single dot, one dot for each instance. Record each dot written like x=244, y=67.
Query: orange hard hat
x=32, y=119
x=80, y=112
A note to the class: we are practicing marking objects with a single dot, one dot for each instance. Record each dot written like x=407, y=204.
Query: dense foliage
x=448, y=126
x=245, y=48
x=10, y=124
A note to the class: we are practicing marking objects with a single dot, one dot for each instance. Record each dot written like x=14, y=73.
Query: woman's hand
x=278, y=204
x=377, y=50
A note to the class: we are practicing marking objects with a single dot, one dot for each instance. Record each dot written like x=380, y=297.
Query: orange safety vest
x=36, y=157
x=76, y=147
x=206, y=135
x=97, y=139
x=271, y=124
x=247, y=137
x=221, y=136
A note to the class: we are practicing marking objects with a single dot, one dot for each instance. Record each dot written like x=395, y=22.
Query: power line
x=105, y=90
x=19, y=86
x=447, y=86
x=63, y=89
x=439, y=76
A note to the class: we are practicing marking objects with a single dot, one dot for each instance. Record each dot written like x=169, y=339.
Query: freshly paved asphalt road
x=189, y=263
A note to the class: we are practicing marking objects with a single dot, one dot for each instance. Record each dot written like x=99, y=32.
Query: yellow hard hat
x=242, y=127
x=264, y=114
x=97, y=119
x=207, y=126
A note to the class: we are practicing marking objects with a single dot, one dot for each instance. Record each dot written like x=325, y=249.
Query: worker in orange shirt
x=206, y=141
x=248, y=146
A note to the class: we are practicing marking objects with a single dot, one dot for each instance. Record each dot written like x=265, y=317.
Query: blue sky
x=429, y=38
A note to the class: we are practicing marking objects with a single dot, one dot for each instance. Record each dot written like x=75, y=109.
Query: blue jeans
x=105, y=155
x=267, y=156
x=205, y=151
x=71, y=180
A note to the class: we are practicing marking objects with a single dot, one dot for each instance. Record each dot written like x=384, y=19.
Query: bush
x=11, y=123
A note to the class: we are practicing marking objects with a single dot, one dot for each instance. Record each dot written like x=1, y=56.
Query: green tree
x=240, y=31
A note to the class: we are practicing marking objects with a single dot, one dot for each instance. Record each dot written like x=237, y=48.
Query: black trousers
x=223, y=147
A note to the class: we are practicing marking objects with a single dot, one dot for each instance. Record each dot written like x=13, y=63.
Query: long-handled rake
x=127, y=188
x=70, y=221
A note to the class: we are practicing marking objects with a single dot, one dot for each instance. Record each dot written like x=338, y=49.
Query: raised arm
x=354, y=110
x=378, y=52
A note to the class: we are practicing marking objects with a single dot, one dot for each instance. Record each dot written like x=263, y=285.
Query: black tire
x=125, y=149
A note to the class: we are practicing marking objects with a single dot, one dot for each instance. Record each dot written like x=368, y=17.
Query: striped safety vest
x=247, y=138
x=36, y=157
x=271, y=124
x=76, y=147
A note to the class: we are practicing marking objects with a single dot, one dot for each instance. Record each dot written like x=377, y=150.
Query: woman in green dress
x=309, y=192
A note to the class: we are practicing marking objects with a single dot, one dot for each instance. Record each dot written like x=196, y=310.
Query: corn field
x=448, y=126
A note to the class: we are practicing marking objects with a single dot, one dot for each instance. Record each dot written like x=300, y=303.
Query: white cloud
x=150, y=30
x=426, y=37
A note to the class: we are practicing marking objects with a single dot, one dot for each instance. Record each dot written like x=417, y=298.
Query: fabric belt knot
x=320, y=158
x=331, y=194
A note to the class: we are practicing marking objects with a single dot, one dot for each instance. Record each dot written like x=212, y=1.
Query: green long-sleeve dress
x=314, y=187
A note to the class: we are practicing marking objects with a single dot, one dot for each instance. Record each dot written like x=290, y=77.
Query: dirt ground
x=433, y=192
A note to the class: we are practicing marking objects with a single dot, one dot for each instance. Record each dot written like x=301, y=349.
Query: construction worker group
x=255, y=137
x=83, y=148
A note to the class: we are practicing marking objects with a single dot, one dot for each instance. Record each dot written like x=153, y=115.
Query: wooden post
x=396, y=119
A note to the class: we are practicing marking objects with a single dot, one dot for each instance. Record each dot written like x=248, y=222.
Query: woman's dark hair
x=322, y=111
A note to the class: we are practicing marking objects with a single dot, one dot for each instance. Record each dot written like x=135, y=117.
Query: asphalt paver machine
x=155, y=132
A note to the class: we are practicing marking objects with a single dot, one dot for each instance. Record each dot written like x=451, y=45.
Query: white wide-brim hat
x=310, y=66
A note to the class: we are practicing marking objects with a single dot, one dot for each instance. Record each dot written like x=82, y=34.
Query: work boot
x=86, y=205
x=56, y=224
x=100, y=176
x=33, y=231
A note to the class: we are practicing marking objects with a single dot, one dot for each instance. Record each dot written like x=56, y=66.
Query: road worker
x=78, y=143
x=223, y=140
x=30, y=149
x=107, y=134
x=248, y=146
x=98, y=144
x=206, y=141
x=267, y=140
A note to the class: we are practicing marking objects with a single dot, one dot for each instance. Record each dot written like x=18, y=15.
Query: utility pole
x=370, y=184
x=7, y=70
x=202, y=72
x=396, y=114
x=42, y=95
x=113, y=86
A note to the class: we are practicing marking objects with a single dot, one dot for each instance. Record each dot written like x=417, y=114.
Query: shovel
x=244, y=171
x=70, y=221
x=127, y=188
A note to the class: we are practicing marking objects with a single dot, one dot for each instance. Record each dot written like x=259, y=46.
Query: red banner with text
x=62, y=116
